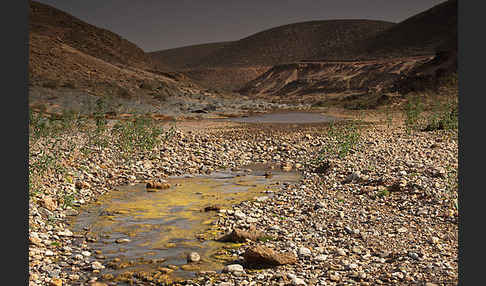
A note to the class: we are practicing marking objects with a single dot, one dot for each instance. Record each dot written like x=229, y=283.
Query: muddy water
x=286, y=117
x=162, y=227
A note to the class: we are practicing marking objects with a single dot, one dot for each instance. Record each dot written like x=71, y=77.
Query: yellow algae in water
x=167, y=224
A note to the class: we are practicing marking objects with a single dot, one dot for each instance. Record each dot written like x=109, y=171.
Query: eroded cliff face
x=315, y=78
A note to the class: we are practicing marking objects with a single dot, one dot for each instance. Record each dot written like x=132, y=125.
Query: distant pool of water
x=286, y=117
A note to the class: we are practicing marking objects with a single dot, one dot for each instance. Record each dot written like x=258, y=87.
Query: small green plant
x=383, y=193
x=413, y=111
x=342, y=140
x=142, y=134
x=34, y=189
x=68, y=200
x=443, y=117
x=43, y=163
x=38, y=125
x=99, y=114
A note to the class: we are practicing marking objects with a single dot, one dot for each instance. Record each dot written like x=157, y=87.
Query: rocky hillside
x=288, y=43
x=438, y=35
x=293, y=42
x=398, y=59
x=65, y=52
x=425, y=33
x=50, y=22
x=232, y=64
x=185, y=57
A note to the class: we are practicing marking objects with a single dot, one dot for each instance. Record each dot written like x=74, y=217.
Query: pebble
x=239, y=214
x=321, y=258
x=298, y=281
x=341, y=252
x=304, y=251
x=402, y=230
x=193, y=257
x=233, y=268
x=97, y=265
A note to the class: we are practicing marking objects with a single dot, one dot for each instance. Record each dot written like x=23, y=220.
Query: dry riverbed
x=385, y=214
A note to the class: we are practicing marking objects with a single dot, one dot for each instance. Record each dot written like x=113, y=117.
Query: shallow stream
x=149, y=230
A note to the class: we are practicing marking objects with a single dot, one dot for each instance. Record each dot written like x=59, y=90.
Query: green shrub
x=443, y=117
x=342, y=140
x=413, y=111
x=142, y=134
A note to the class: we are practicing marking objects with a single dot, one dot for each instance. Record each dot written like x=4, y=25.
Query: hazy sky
x=164, y=24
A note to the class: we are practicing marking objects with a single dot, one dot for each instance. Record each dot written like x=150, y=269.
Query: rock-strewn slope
x=385, y=214
x=424, y=33
x=228, y=65
x=293, y=42
x=48, y=21
x=67, y=53
x=185, y=57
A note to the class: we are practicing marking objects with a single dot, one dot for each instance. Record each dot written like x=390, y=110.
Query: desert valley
x=313, y=153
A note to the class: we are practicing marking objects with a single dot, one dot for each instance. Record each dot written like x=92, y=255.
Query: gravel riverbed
x=385, y=214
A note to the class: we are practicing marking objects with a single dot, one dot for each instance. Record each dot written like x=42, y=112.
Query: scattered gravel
x=383, y=215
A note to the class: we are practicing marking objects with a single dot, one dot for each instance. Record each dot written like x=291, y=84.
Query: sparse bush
x=99, y=114
x=342, y=140
x=142, y=134
x=443, y=117
x=413, y=110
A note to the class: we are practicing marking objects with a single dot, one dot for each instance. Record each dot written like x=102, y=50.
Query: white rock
x=193, y=257
x=239, y=214
x=291, y=276
x=233, y=268
x=304, y=251
x=321, y=257
x=86, y=253
x=66, y=232
x=341, y=252
x=97, y=265
x=352, y=266
x=402, y=230
x=262, y=199
x=298, y=281
x=398, y=275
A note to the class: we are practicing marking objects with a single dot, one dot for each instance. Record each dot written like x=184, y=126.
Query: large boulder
x=263, y=256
